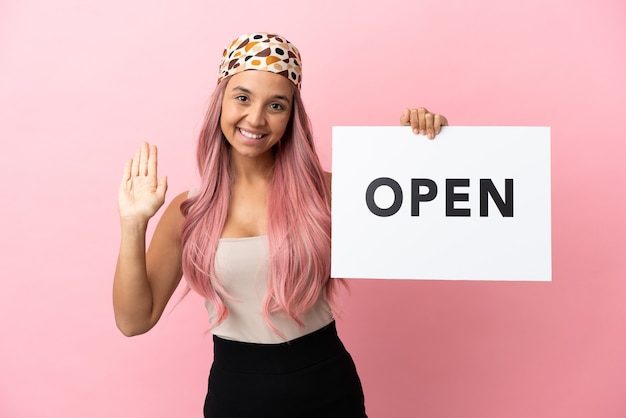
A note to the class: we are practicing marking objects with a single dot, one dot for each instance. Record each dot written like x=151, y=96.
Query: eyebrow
x=276, y=96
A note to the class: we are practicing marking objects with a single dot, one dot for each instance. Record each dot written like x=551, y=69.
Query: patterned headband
x=262, y=51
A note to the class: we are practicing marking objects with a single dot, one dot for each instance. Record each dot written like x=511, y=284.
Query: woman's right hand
x=141, y=193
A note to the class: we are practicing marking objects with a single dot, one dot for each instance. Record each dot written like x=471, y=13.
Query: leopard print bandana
x=262, y=51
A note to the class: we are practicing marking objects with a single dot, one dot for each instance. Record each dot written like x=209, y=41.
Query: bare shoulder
x=170, y=225
x=174, y=206
x=173, y=212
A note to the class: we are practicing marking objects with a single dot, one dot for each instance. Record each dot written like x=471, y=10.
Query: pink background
x=83, y=82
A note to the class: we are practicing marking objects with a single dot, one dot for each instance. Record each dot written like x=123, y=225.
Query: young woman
x=253, y=239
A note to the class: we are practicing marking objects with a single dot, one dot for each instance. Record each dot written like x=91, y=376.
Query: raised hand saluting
x=141, y=192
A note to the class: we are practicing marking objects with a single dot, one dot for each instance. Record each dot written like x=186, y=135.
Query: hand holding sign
x=423, y=122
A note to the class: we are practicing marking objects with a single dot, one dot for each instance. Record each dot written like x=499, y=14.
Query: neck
x=252, y=168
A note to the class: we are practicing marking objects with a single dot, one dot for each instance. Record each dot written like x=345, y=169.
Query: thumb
x=405, y=118
x=162, y=185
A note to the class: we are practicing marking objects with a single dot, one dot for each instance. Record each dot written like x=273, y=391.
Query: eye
x=277, y=106
x=242, y=98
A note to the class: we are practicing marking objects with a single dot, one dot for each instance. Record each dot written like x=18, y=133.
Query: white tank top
x=241, y=265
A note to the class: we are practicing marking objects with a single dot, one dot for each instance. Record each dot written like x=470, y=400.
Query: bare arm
x=144, y=283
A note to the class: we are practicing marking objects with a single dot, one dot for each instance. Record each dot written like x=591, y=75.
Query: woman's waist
x=289, y=356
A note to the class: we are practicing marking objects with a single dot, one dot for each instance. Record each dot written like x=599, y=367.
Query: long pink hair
x=298, y=218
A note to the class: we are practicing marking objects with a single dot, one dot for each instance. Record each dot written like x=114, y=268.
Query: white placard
x=406, y=207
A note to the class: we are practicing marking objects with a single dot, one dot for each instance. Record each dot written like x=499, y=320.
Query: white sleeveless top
x=241, y=265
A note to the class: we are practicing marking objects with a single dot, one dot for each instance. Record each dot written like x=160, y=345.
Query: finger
x=152, y=161
x=414, y=121
x=439, y=122
x=135, y=163
x=143, y=159
x=421, y=117
x=405, y=118
x=127, y=168
x=162, y=186
x=429, y=118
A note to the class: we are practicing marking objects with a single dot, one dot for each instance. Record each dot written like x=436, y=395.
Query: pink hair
x=298, y=226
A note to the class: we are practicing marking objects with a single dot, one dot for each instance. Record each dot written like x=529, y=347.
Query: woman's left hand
x=423, y=122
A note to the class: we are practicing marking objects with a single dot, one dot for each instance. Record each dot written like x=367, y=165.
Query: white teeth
x=250, y=135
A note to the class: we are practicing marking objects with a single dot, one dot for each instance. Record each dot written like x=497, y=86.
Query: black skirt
x=311, y=376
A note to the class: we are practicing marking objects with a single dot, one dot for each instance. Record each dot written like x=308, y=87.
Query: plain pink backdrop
x=83, y=82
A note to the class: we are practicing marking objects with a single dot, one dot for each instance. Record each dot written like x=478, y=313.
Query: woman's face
x=255, y=111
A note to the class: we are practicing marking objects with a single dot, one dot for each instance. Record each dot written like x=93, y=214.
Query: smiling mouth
x=250, y=135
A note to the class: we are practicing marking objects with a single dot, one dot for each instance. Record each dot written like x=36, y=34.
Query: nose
x=256, y=115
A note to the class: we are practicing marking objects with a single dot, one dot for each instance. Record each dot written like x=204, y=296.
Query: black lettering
x=416, y=197
x=452, y=197
x=505, y=206
x=369, y=196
